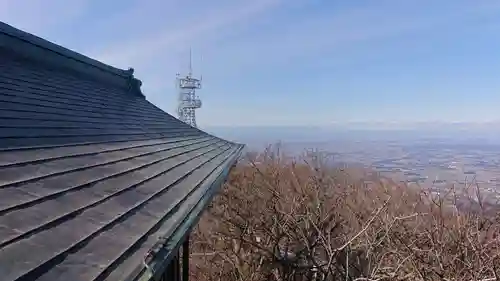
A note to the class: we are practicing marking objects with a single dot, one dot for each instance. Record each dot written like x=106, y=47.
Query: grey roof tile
x=91, y=173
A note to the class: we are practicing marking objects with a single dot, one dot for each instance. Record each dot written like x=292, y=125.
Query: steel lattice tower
x=188, y=101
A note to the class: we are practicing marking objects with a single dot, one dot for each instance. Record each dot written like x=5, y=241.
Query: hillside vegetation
x=284, y=219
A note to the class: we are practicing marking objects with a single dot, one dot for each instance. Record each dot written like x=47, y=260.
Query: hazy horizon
x=318, y=136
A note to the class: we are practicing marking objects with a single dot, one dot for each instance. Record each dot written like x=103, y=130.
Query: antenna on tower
x=188, y=102
x=190, y=63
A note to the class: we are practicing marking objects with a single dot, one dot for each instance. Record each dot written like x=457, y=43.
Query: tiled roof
x=91, y=173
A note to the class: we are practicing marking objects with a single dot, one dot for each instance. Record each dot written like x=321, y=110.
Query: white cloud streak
x=41, y=17
x=164, y=39
x=313, y=36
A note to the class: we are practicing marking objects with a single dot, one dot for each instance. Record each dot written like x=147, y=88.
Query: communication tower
x=188, y=101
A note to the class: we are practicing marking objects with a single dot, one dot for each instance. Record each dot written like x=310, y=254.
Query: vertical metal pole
x=169, y=274
x=177, y=267
x=185, y=260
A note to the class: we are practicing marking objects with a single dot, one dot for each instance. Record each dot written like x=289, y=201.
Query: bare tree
x=285, y=219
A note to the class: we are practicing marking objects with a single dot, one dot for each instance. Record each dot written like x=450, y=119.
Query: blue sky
x=293, y=62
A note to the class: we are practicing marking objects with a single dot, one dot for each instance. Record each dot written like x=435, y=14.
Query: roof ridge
x=33, y=47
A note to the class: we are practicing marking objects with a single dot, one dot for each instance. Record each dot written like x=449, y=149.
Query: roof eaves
x=169, y=244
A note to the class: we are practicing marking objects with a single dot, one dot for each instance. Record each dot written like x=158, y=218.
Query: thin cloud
x=147, y=47
x=327, y=32
x=41, y=16
x=240, y=39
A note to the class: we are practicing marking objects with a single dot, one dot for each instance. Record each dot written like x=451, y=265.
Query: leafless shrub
x=284, y=219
